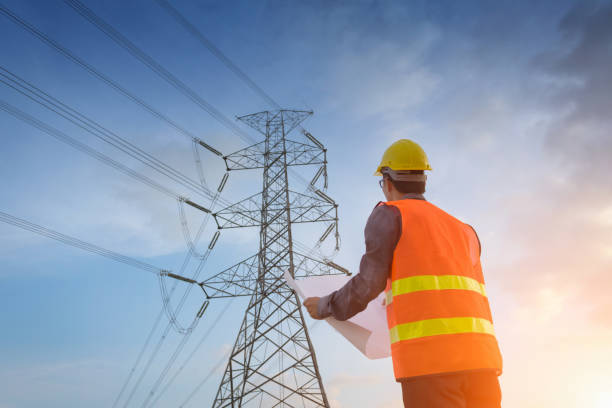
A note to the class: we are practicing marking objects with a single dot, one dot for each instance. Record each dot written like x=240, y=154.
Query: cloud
x=582, y=140
x=568, y=209
x=384, y=78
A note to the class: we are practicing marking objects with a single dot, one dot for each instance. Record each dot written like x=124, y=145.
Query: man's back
x=438, y=313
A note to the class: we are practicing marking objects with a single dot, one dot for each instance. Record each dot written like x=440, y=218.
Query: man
x=443, y=346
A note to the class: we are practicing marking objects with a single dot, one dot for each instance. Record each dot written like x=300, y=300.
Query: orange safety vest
x=437, y=309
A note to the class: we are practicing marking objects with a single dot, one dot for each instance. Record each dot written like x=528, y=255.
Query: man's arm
x=382, y=232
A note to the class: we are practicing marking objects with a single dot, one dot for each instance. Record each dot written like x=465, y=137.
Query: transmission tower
x=273, y=362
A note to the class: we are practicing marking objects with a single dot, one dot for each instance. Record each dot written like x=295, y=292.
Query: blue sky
x=509, y=99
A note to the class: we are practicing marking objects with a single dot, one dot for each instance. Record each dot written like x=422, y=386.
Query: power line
x=205, y=379
x=216, y=52
x=44, y=99
x=195, y=32
x=97, y=74
x=77, y=243
x=172, y=319
x=190, y=356
x=167, y=76
x=82, y=147
x=57, y=134
x=61, y=136
x=164, y=335
x=161, y=312
x=156, y=67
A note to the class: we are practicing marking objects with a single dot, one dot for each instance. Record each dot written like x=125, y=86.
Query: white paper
x=367, y=331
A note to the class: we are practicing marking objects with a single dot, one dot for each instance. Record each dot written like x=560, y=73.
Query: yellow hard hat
x=404, y=155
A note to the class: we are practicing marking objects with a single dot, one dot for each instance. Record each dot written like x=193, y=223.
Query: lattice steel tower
x=273, y=362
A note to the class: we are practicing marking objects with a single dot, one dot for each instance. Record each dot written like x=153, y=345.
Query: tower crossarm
x=237, y=280
x=245, y=213
x=284, y=119
x=307, y=208
x=245, y=159
x=302, y=154
x=241, y=279
x=308, y=266
x=298, y=154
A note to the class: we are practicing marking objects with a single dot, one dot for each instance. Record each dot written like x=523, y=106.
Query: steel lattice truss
x=273, y=363
x=297, y=154
x=248, y=212
x=242, y=278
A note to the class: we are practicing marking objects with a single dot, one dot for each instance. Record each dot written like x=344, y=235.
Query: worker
x=443, y=347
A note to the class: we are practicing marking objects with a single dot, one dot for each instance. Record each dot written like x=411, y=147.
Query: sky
x=510, y=100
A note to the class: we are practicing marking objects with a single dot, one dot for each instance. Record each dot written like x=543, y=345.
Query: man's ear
x=389, y=186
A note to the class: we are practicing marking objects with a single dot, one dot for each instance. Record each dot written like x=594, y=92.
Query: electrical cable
x=172, y=313
x=97, y=74
x=42, y=98
x=198, y=163
x=205, y=379
x=61, y=136
x=156, y=67
x=163, y=337
x=77, y=243
x=74, y=143
x=160, y=315
x=230, y=122
x=190, y=356
x=89, y=68
x=216, y=51
x=167, y=367
x=167, y=76
x=198, y=35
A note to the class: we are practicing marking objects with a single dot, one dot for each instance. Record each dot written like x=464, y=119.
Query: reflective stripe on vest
x=433, y=282
x=435, y=327
x=438, y=312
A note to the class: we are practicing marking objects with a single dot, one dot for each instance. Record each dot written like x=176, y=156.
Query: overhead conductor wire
x=61, y=136
x=97, y=74
x=105, y=159
x=77, y=243
x=156, y=67
x=167, y=76
x=80, y=146
x=198, y=35
x=158, y=319
x=167, y=329
x=195, y=349
x=113, y=84
x=37, y=95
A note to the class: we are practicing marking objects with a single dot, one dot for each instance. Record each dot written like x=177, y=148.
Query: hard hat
x=404, y=155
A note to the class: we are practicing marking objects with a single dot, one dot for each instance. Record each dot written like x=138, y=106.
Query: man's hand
x=312, y=305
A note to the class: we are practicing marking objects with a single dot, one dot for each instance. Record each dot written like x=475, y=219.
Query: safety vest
x=437, y=309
